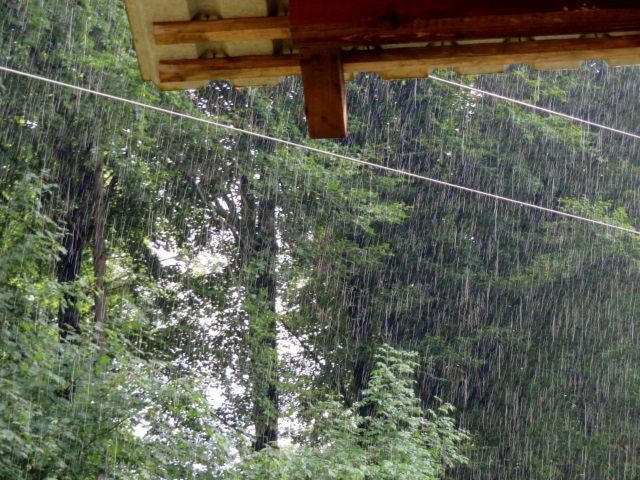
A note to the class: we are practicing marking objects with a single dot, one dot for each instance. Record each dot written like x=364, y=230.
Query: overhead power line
x=535, y=107
x=331, y=154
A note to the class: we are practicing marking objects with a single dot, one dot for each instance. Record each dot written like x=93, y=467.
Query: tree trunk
x=74, y=240
x=267, y=416
x=99, y=241
x=76, y=199
x=260, y=250
x=361, y=329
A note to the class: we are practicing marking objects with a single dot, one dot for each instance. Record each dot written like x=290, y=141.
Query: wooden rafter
x=341, y=32
x=252, y=66
x=378, y=22
x=494, y=54
x=224, y=30
x=454, y=29
x=423, y=58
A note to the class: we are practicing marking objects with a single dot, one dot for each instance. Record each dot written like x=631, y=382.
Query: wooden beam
x=482, y=70
x=224, y=30
x=305, y=12
x=379, y=22
x=411, y=59
x=324, y=92
x=490, y=54
x=368, y=10
x=252, y=66
x=404, y=74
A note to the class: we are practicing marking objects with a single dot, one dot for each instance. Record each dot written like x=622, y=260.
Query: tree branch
x=303, y=344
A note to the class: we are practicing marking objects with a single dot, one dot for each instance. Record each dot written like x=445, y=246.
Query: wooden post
x=324, y=93
x=322, y=79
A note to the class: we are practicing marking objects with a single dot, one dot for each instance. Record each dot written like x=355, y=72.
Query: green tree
x=399, y=439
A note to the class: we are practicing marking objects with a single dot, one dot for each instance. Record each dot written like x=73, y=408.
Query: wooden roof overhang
x=185, y=44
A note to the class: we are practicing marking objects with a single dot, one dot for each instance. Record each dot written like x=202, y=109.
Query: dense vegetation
x=180, y=301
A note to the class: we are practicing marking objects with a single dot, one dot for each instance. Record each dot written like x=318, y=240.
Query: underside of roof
x=184, y=44
x=148, y=16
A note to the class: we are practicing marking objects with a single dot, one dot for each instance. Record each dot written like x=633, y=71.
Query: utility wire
x=324, y=152
x=535, y=107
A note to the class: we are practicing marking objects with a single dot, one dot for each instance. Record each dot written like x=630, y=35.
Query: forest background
x=181, y=301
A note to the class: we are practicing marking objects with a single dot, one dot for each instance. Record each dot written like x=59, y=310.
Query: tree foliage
x=262, y=296
x=399, y=440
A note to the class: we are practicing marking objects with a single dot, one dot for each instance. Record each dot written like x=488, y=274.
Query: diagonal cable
x=324, y=152
x=535, y=107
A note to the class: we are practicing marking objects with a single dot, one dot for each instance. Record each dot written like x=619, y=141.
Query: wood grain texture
x=325, y=12
x=324, y=92
x=404, y=60
x=225, y=30
x=253, y=66
x=542, y=51
x=384, y=22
